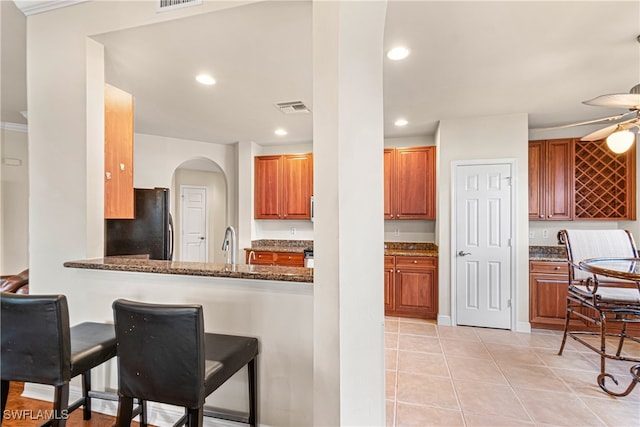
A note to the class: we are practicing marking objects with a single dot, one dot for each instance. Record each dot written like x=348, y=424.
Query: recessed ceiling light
x=401, y=122
x=398, y=53
x=205, y=79
x=280, y=132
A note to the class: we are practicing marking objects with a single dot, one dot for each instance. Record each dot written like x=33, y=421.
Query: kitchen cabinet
x=548, y=283
x=283, y=186
x=286, y=259
x=551, y=173
x=571, y=179
x=118, y=154
x=410, y=183
x=411, y=286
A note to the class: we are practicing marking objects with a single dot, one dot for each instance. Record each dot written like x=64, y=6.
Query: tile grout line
x=455, y=390
x=524, y=407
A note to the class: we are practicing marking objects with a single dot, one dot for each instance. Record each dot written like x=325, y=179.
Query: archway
x=205, y=175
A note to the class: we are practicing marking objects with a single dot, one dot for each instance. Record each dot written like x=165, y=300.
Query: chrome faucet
x=252, y=256
x=230, y=240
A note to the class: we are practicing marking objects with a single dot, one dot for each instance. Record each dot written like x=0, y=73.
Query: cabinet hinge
x=508, y=178
x=509, y=242
x=509, y=303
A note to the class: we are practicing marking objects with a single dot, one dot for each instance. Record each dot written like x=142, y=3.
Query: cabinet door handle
x=550, y=216
x=556, y=268
x=415, y=261
x=541, y=216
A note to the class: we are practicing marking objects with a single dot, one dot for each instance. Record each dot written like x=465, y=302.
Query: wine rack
x=604, y=182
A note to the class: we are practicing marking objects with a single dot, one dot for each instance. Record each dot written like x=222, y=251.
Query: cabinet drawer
x=289, y=259
x=415, y=261
x=549, y=267
x=389, y=262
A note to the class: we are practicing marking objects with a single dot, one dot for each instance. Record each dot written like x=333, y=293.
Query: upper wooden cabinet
x=283, y=186
x=118, y=154
x=571, y=179
x=551, y=180
x=410, y=183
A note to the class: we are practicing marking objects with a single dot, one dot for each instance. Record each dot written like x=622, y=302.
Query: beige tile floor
x=463, y=376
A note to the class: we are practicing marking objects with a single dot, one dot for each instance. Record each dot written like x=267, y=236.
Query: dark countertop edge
x=410, y=252
x=282, y=274
x=289, y=249
x=547, y=258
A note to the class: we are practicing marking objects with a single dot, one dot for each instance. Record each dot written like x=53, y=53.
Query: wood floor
x=30, y=409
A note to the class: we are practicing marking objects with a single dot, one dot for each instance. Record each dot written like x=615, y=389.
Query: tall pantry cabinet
x=118, y=154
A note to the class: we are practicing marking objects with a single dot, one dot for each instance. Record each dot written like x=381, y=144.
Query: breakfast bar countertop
x=235, y=271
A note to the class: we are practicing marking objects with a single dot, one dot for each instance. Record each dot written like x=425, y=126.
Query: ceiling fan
x=619, y=135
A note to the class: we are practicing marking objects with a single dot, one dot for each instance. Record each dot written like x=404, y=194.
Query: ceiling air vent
x=164, y=5
x=293, y=107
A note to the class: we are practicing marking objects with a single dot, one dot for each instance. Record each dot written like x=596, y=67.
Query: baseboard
x=444, y=320
x=523, y=327
x=157, y=414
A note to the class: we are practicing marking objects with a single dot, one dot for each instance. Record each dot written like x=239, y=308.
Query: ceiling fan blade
x=600, y=133
x=617, y=100
x=587, y=122
x=606, y=131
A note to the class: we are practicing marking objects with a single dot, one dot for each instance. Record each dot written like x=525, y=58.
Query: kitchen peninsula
x=234, y=271
x=273, y=304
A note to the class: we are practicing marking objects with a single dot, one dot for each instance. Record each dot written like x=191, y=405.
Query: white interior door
x=483, y=218
x=194, y=224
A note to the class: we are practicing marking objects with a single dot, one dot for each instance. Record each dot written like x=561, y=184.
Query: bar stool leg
x=125, y=411
x=253, y=391
x=194, y=417
x=5, y=393
x=143, y=413
x=86, y=387
x=60, y=405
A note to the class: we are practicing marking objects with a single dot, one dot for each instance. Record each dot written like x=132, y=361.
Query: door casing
x=452, y=256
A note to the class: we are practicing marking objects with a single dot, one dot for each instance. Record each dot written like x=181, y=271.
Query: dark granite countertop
x=293, y=246
x=547, y=253
x=410, y=249
x=236, y=271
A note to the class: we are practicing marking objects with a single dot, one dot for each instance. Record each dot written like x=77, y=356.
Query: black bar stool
x=165, y=356
x=38, y=346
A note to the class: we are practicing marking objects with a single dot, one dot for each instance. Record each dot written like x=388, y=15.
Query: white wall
x=492, y=137
x=348, y=143
x=14, y=199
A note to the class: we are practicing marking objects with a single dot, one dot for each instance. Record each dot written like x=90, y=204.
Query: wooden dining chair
x=605, y=305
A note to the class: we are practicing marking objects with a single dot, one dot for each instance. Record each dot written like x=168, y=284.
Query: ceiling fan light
x=620, y=141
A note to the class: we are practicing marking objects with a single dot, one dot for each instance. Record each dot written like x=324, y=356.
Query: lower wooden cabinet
x=548, y=283
x=411, y=286
x=286, y=259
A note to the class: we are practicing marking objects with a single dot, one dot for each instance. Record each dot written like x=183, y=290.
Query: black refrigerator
x=150, y=233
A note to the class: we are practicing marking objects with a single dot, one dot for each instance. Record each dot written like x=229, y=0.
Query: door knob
x=463, y=253
x=201, y=238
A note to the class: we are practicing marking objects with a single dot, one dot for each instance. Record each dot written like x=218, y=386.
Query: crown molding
x=16, y=127
x=33, y=7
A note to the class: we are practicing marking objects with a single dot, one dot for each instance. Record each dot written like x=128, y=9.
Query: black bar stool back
x=165, y=356
x=38, y=346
